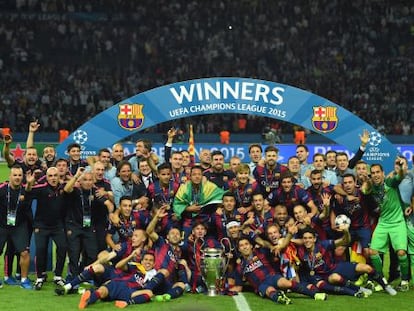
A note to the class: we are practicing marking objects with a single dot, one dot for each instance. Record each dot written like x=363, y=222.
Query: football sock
x=403, y=261
x=155, y=281
x=302, y=289
x=350, y=285
x=175, y=292
x=8, y=263
x=273, y=296
x=377, y=263
x=412, y=266
x=182, y=274
x=139, y=299
x=82, y=277
x=339, y=290
x=94, y=297
x=374, y=275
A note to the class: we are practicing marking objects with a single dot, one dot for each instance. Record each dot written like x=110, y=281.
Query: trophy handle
x=222, y=243
x=197, y=258
x=223, y=246
x=229, y=245
x=226, y=254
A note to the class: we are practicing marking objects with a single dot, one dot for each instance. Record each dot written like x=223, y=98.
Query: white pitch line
x=241, y=302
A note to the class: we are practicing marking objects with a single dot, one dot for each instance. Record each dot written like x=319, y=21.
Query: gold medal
x=312, y=273
x=267, y=189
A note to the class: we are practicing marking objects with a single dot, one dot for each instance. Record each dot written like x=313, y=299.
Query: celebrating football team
x=141, y=229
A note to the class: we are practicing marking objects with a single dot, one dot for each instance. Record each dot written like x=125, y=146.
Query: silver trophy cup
x=212, y=269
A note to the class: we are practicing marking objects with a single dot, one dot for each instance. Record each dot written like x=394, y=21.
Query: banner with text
x=230, y=95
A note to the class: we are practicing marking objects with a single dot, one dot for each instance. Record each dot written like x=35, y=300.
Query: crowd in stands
x=65, y=61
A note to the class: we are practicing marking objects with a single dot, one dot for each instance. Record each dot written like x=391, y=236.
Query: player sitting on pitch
x=256, y=268
x=319, y=267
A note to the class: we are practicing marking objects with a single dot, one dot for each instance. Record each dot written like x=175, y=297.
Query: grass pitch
x=14, y=298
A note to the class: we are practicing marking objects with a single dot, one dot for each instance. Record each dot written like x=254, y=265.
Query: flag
x=209, y=194
x=357, y=253
x=191, y=147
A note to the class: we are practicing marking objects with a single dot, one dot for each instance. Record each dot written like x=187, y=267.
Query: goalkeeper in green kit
x=391, y=225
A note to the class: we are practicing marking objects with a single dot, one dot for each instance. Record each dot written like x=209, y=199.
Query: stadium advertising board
x=240, y=150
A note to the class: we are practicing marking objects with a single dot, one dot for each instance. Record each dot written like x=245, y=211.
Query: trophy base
x=211, y=292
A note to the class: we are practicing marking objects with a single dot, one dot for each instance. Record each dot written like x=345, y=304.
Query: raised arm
x=105, y=258
x=109, y=205
x=30, y=181
x=346, y=238
x=292, y=229
x=152, y=162
x=6, y=150
x=123, y=263
x=168, y=145
x=364, y=137
x=326, y=199
x=33, y=127
x=151, y=226
x=313, y=209
x=71, y=183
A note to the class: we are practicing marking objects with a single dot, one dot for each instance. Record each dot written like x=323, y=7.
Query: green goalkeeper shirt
x=388, y=199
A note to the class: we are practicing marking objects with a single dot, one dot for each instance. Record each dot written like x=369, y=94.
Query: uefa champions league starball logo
x=375, y=139
x=80, y=137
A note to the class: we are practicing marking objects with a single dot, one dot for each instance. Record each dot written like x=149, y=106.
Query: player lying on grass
x=125, y=290
x=101, y=270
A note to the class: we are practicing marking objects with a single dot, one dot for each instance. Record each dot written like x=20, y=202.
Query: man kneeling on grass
x=124, y=291
x=255, y=266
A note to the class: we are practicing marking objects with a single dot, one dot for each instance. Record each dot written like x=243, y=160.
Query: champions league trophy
x=213, y=267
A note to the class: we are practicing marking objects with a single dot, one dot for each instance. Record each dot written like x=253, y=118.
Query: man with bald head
x=48, y=222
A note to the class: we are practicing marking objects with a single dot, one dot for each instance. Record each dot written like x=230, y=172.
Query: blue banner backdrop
x=230, y=95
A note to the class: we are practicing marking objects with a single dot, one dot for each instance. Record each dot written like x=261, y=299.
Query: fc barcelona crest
x=324, y=119
x=130, y=116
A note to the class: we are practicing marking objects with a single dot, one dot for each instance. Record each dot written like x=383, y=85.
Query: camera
x=270, y=136
x=5, y=137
